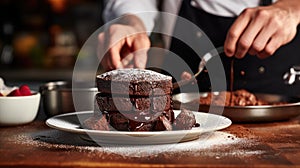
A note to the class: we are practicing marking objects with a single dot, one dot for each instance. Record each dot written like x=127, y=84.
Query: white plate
x=70, y=122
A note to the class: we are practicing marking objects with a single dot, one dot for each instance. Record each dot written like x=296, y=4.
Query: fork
x=202, y=64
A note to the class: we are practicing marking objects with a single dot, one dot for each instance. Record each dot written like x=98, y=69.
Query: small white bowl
x=16, y=110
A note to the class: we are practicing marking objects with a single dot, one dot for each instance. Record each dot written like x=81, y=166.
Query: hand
x=125, y=44
x=187, y=76
x=261, y=31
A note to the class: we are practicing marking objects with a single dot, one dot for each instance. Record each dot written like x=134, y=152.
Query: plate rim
x=198, y=130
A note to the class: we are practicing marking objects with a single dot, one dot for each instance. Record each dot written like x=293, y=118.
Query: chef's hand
x=125, y=43
x=187, y=76
x=261, y=31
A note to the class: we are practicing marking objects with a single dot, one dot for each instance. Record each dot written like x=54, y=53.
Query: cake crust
x=108, y=102
x=139, y=82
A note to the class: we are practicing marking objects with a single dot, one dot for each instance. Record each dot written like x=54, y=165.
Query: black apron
x=250, y=73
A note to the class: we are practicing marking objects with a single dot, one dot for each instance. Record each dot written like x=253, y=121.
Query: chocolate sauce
x=231, y=80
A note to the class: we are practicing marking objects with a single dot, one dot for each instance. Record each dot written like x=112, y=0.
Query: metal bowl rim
x=243, y=107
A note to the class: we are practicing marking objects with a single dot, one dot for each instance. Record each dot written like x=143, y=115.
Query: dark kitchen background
x=40, y=39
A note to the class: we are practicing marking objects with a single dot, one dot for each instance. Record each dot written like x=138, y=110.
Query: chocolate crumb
x=185, y=120
x=197, y=125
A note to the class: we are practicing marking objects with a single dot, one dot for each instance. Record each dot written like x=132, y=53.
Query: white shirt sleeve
x=146, y=10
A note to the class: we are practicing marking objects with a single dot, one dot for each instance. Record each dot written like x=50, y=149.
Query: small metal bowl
x=59, y=97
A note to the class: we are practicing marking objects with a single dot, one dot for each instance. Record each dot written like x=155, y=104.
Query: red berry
x=25, y=90
x=15, y=92
x=1, y=94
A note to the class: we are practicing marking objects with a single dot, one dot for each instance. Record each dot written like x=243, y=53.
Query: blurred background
x=40, y=39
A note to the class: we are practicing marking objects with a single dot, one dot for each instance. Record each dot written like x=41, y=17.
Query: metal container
x=59, y=97
x=248, y=114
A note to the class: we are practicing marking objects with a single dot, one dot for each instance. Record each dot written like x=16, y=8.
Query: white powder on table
x=216, y=144
x=209, y=141
x=205, y=141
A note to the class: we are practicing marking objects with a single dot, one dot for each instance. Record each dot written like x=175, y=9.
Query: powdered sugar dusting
x=216, y=144
x=206, y=141
x=134, y=74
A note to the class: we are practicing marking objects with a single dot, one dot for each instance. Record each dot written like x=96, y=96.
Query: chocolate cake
x=133, y=103
x=138, y=82
x=134, y=100
x=131, y=122
x=97, y=122
x=185, y=120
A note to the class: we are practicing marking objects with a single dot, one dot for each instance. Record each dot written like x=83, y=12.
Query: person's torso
x=251, y=73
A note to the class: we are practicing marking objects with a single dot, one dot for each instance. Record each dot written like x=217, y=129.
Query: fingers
x=127, y=61
x=114, y=55
x=260, y=31
x=256, y=35
x=101, y=52
x=141, y=47
x=248, y=37
x=100, y=45
x=270, y=48
x=134, y=51
x=186, y=76
x=235, y=32
x=124, y=48
x=260, y=42
x=110, y=53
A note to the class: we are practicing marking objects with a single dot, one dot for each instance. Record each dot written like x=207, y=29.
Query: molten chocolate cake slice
x=138, y=82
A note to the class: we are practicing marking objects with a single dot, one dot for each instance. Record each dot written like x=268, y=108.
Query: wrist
x=134, y=21
x=292, y=6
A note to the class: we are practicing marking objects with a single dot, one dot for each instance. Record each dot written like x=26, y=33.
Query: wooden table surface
x=241, y=145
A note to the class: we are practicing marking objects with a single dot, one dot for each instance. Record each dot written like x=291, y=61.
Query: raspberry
x=25, y=90
x=15, y=92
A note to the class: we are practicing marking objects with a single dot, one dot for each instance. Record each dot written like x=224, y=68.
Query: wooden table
x=241, y=145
